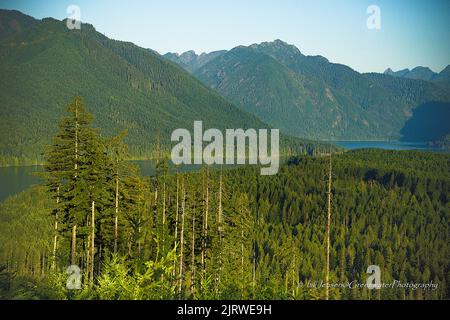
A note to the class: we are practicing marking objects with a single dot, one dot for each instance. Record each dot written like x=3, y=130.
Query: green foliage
x=119, y=282
x=44, y=64
x=26, y=232
x=390, y=208
x=307, y=96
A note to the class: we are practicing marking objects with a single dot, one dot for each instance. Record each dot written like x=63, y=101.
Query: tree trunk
x=92, y=243
x=155, y=211
x=242, y=257
x=254, y=272
x=176, y=232
x=139, y=238
x=293, y=274
x=76, y=136
x=205, y=227
x=193, y=253
x=74, y=228
x=116, y=219
x=73, y=255
x=183, y=206
x=55, y=238
x=327, y=272
x=87, y=255
x=164, y=216
x=220, y=231
x=220, y=203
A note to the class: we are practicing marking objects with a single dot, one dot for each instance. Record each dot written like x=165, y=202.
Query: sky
x=412, y=32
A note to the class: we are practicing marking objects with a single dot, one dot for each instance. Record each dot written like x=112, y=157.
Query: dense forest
x=223, y=233
x=43, y=64
x=309, y=96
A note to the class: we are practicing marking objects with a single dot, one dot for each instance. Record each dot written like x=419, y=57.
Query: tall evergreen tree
x=77, y=176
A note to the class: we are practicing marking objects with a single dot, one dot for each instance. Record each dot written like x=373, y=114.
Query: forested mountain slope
x=310, y=97
x=44, y=65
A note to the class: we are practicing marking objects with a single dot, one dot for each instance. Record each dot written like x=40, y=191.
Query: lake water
x=386, y=145
x=17, y=179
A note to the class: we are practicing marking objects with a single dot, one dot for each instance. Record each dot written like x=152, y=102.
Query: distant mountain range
x=43, y=65
x=422, y=73
x=310, y=97
x=190, y=61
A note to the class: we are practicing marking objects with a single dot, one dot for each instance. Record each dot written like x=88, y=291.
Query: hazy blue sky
x=413, y=32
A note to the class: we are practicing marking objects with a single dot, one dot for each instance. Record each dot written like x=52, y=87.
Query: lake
x=17, y=179
x=386, y=145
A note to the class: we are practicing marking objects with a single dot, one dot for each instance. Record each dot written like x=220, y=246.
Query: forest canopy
x=223, y=233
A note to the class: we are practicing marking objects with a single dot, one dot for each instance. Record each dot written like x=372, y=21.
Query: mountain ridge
x=127, y=87
x=44, y=64
x=311, y=97
x=421, y=73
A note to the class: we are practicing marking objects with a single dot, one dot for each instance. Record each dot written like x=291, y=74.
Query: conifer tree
x=77, y=176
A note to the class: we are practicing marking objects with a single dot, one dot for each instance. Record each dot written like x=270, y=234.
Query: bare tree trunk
x=220, y=203
x=242, y=258
x=116, y=219
x=205, y=227
x=164, y=216
x=176, y=232
x=220, y=230
x=193, y=253
x=254, y=240
x=183, y=206
x=139, y=238
x=86, y=254
x=76, y=136
x=55, y=238
x=92, y=242
x=155, y=210
x=327, y=272
x=74, y=228
x=293, y=274
x=73, y=255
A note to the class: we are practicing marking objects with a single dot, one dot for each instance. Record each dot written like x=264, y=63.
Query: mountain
x=419, y=73
x=401, y=73
x=308, y=96
x=443, y=76
x=12, y=21
x=422, y=73
x=190, y=61
x=44, y=65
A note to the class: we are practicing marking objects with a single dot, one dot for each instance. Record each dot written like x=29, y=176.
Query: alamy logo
x=236, y=149
x=74, y=280
x=374, y=280
x=374, y=20
x=74, y=20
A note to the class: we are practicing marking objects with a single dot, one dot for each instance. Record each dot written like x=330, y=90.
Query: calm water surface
x=17, y=179
x=387, y=145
